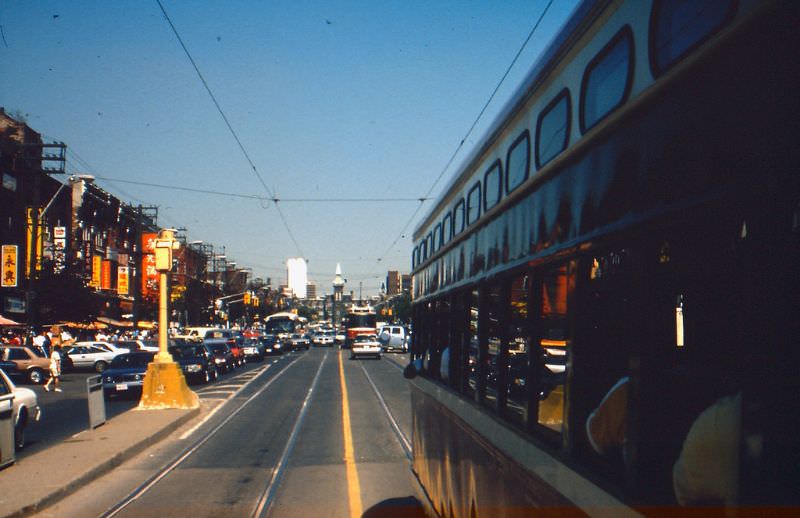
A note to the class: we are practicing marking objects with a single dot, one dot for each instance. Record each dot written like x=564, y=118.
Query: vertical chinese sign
x=97, y=271
x=59, y=249
x=149, y=272
x=122, y=280
x=10, y=268
x=32, y=225
x=105, y=275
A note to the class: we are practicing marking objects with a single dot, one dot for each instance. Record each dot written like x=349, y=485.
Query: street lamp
x=164, y=384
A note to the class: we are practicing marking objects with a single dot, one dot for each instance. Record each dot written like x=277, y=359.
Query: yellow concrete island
x=164, y=384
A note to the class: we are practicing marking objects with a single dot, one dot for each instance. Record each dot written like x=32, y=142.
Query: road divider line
x=353, y=485
x=277, y=473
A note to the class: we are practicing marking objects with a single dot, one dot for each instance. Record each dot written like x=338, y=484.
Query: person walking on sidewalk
x=55, y=369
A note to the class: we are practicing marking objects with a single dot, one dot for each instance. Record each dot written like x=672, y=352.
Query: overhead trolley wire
x=231, y=130
x=471, y=128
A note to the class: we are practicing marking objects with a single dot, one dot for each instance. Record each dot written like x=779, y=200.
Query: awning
x=8, y=322
x=113, y=322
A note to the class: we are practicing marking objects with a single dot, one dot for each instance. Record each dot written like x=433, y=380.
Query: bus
x=605, y=295
x=283, y=325
x=359, y=320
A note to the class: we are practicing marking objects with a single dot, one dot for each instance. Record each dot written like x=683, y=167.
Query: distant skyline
x=330, y=100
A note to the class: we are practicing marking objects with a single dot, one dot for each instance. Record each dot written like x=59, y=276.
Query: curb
x=104, y=467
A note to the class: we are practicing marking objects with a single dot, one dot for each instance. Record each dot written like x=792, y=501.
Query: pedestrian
x=55, y=369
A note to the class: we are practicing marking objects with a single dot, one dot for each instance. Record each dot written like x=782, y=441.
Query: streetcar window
x=554, y=348
x=607, y=80
x=415, y=257
x=447, y=229
x=492, y=347
x=437, y=237
x=473, y=346
x=429, y=245
x=678, y=26
x=552, y=129
x=518, y=336
x=518, y=162
x=492, y=186
x=423, y=250
x=458, y=218
x=474, y=204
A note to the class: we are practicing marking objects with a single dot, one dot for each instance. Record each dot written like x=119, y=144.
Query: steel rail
x=401, y=437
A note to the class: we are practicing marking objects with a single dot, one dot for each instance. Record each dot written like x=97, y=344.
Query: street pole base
x=165, y=387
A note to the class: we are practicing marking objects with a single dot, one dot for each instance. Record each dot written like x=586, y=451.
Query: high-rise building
x=311, y=290
x=393, y=283
x=298, y=276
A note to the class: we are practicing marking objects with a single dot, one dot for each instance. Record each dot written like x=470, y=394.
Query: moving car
x=271, y=344
x=125, y=374
x=196, y=361
x=25, y=408
x=29, y=365
x=300, y=341
x=393, y=338
x=223, y=357
x=253, y=349
x=324, y=338
x=366, y=345
x=90, y=356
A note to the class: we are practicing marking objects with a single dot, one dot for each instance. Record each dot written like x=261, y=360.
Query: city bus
x=283, y=325
x=605, y=295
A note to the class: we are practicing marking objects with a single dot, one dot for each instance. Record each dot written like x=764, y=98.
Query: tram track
x=405, y=444
x=187, y=452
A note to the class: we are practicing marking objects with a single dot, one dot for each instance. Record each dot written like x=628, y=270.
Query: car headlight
x=138, y=377
x=219, y=360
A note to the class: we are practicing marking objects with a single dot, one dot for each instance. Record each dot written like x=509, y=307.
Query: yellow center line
x=353, y=486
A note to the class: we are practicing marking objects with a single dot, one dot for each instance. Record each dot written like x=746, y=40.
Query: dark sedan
x=196, y=361
x=253, y=349
x=223, y=357
x=125, y=374
x=271, y=344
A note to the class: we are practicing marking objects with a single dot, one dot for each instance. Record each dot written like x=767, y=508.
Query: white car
x=25, y=408
x=325, y=338
x=91, y=356
x=366, y=345
x=393, y=338
x=107, y=346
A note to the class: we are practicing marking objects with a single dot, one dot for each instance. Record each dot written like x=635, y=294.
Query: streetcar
x=283, y=325
x=359, y=320
x=626, y=232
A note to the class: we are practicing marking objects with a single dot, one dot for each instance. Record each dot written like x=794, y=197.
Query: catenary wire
x=232, y=131
x=471, y=128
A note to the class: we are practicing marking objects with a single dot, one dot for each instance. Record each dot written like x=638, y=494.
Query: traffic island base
x=165, y=387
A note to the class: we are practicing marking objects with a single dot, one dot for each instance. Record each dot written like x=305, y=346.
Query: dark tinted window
x=678, y=26
x=552, y=129
x=474, y=204
x=429, y=240
x=414, y=256
x=518, y=161
x=458, y=218
x=492, y=186
x=447, y=229
x=423, y=250
x=437, y=237
x=607, y=80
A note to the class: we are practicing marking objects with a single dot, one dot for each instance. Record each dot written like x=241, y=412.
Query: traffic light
x=247, y=298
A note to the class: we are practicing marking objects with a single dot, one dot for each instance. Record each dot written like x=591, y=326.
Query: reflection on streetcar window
x=518, y=334
x=554, y=348
x=494, y=306
x=473, y=345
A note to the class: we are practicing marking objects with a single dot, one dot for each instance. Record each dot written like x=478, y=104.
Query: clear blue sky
x=330, y=100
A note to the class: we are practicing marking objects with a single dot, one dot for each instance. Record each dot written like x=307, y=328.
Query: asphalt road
x=279, y=439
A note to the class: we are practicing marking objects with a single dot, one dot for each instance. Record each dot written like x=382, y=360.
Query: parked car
x=138, y=345
x=25, y=408
x=271, y=344
x=10, y=368
x=108, y=346
x=29, y=365
x=195, y=334
x=196, y=361
x=223, y=357
x=300, y=341
x=393, y=338
x=90, y=356
x=365, y=345
x=125, y=373
x=253, y=349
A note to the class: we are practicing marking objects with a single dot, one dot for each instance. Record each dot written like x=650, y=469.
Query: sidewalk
x=35, y=482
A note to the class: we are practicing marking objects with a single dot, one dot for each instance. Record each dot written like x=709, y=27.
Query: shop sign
x=10, y=267
x=105, y=275
x=97, y=271
x=60, y=232
x=149, y=272
x=14, y=305
x=122, y=280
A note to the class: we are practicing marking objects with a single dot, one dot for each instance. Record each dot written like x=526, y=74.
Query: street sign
x=10, y=267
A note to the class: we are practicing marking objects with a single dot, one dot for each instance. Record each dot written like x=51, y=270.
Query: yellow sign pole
x=164, y=384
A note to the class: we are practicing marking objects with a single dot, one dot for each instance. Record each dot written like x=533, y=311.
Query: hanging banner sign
x=149, y=272
x=122, y=280
x=105, y=275
x=10, y=268
x=97, y=271
x=60, y=232
x=31, y=227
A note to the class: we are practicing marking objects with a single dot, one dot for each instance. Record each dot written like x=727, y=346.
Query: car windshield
x=184, y=352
